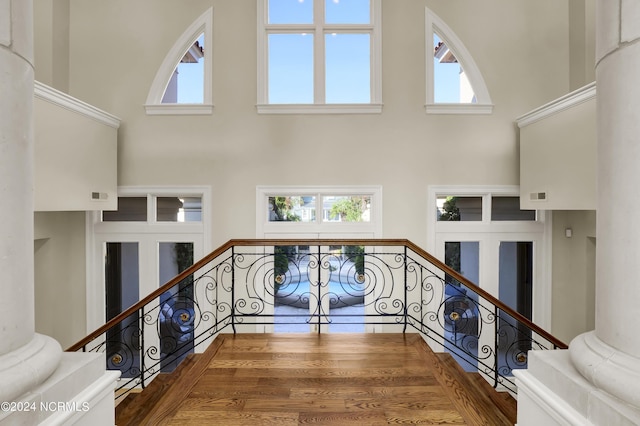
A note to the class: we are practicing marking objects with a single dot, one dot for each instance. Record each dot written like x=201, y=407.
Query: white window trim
x=483, y=105
x=94, y=225
x=263, y=226
x=154, y=105
x=543, y=224
x=319, y=106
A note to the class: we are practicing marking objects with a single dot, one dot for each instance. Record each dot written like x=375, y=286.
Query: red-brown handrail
x=318, y=242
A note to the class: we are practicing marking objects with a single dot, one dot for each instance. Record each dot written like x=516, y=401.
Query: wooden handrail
x=318, y=242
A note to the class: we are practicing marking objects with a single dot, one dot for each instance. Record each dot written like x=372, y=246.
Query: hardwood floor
x=328, y=379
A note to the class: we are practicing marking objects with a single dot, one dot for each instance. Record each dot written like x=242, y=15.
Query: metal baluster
x=495, y=347
x=404, y=329
x=319, y=288
x=142, y=361
x=233, y=289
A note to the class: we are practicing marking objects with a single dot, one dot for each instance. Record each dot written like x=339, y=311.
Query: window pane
x=450, y=83
x=122, y=272
x=292, y=209
x=452, y=208
x=348, y=68
x=176, y=313
x=175, y=209
x=290, y=11
x=187, y=82
x=508, y=208
x=290, y=68
x=347, y=11
x=349, y=208
x=130, y=209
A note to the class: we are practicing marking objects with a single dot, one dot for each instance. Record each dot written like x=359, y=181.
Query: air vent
x=97, y=196
x=538, y=196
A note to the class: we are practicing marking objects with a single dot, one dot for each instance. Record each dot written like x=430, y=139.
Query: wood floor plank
x=328, y=379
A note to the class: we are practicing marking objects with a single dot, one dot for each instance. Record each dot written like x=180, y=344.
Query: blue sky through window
x=347, y=11
x=347, y=55
x=446, y=79
x=291, y=68
x=348, y=73
x=191, y=79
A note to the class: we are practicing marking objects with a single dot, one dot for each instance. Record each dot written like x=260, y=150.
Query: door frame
x=319, y=229
x=96, y=232
x=507, y=230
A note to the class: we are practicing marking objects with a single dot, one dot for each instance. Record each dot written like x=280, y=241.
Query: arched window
x=182, y=84
x=454, y=82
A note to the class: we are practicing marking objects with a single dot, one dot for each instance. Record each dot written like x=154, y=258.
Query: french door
x=507, y=266
x=130, y=266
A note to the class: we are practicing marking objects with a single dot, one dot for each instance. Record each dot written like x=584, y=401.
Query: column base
x=28, y=366
x=80, y=391
x=553, y=392
x=607, y=368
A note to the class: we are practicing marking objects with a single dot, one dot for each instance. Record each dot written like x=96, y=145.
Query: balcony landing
x=296, y=379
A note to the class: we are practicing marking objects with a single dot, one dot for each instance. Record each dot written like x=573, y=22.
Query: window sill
x=459, y=108
x=319, y=109
x=179, y=109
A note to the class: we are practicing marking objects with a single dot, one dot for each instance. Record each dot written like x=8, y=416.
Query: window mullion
x=319, y=53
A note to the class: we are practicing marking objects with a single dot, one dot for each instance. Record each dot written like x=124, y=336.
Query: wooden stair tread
x=140, y=404
x=503, y=400
x=184, y=380
x=475, y=406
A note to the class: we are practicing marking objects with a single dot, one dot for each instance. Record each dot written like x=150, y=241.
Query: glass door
x=134, y=266
x=516, y=274
x=460, y=310
x=176, y=318
x=122, y=284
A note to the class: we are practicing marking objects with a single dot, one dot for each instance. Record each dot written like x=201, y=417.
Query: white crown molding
x=56, y=97
x=570, y=100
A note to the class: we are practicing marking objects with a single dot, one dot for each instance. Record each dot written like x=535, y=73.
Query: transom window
x=335, y=208
x=153, y=208
x=332, y=209
x=318, y=56
x=455, y=208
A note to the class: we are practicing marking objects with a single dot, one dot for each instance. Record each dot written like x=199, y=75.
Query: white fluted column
x=26, y=358
x=609, y=357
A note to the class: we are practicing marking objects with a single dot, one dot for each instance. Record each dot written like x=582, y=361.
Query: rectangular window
x=290, y=12
x=508, y=208
x=295, y=208
x=179, y=209
x=347, y=11
x=319, y=53
x=291, y=68
x=459, y=209
x=346, y=208
x=348, y=68
x=168, y=209
x=130, y=209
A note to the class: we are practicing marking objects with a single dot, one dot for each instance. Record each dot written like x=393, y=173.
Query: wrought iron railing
x=319, y=286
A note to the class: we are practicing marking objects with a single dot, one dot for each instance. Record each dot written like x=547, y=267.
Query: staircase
x=341, y=379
